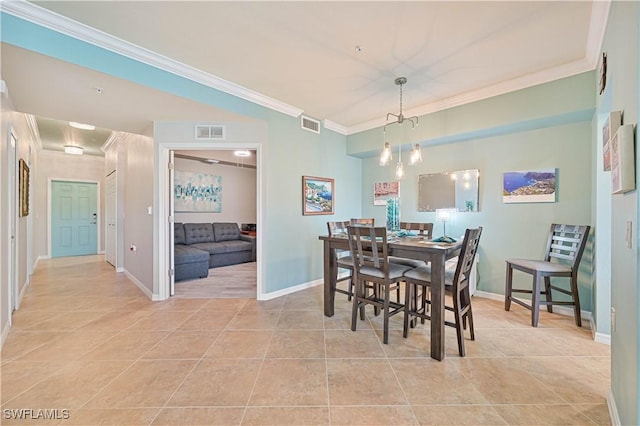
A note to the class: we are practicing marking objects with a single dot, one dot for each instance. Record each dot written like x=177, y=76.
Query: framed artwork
x=382, y=191
x=609, y=129
x=529, y=186
x=623, y=174
x=23, y=187
x=197, y=192
x=317, y=195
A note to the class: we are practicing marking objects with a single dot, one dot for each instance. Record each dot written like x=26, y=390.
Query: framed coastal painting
x=317, y=195
x=382, y=191
x=529, y=186
x=197, y=192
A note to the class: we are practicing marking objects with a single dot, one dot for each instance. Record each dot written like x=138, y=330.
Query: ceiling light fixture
x=241, y=153
x=416, y=153
x=72, y=149
x=82, y=126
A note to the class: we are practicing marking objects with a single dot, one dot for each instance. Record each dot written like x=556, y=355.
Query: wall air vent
x=209, y=132
x=310, y=124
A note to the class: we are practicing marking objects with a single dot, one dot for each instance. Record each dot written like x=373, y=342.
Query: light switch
x=149, y=210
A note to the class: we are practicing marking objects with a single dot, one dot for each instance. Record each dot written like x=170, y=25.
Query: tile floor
x=87, y=343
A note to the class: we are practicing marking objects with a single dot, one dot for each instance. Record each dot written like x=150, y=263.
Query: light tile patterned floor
x=86, y=340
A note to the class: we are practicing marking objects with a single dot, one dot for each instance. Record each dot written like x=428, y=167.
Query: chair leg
x=535, y=300
x=469, y=314
x=547, y=292
x=385, y=315
x=576, y=300
x=508, y=286
x=349, y=296
x=458, y=323
x=356, y=306
x=408, y=304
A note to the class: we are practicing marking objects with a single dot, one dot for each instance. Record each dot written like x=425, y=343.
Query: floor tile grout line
x=255, y=382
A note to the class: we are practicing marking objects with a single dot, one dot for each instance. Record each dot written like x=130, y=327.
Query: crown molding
x=597, y=28
x=33, y=128
x=332, y=125
x=53, y=21
x=113, y=138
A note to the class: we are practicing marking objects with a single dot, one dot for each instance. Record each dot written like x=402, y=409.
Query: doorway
x=74, y=218
x=165, y=226
x=219, y=187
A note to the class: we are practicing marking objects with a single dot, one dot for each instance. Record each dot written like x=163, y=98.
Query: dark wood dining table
x=408, y=247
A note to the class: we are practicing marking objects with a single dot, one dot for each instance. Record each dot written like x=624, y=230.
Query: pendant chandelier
x=386, y=155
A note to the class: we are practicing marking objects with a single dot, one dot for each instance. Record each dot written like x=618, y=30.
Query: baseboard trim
x=599, y=337
x=613, y=410
x=141, y=286
x=585, y=315
x=5, y=331
x=289, y=290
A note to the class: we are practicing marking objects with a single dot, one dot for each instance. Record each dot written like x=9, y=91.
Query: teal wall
x=623, y=53
x=547, y=126
x=293, y=257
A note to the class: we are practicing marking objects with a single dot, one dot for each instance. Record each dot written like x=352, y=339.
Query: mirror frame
x=448, y=190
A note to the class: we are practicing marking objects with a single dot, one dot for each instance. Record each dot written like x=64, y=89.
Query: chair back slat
x=337, y=228
x=424, y=229
x=465, y=259
x=567, y=243
x=363, y=221
x=368, y=247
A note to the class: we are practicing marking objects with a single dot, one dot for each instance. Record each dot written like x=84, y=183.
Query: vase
x=393, y=214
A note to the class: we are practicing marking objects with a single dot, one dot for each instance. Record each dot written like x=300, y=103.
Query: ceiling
x=332, y=60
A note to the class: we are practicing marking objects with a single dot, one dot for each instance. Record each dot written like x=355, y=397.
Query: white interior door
x=172, y=276
x=111, y=232
x=12, y=166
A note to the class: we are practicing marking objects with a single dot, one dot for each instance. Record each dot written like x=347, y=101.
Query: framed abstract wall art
x=197, y=192
x=623, y=171
x=609, y=129
x=317, y=195
x=382, y=191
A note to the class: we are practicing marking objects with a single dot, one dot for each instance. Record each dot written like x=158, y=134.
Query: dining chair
x=425, y=229
x=456, y=285
x=370, y=253
x=363, y=221
x=343, y=257
x=565, y=246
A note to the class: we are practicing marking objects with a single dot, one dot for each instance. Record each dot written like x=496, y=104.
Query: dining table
x=413, y=247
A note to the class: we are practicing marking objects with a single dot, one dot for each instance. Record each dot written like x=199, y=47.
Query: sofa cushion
x=226, y=231
x=187, y=254
x=178, y=233
x=198, y=233
x=224, y=247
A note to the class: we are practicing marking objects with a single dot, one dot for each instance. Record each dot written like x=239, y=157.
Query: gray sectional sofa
x=200, y=246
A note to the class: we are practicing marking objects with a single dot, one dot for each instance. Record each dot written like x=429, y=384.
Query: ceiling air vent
x=209, y=131
x=310, y=124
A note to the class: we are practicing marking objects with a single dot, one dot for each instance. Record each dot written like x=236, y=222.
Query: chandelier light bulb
x=399, y=170
x=385, y=155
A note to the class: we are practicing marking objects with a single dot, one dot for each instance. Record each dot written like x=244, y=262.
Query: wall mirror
x=458, y=190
